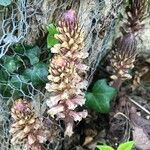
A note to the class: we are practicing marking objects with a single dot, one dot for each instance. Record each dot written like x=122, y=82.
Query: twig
x=122, y=114
x=137, y=104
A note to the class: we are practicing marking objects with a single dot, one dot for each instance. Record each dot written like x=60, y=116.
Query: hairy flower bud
x=70, y=18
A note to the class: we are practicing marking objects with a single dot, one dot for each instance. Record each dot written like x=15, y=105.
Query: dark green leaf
x=100, y=97
x=18, y=48
x=38, y=74
x=126, y=146
x=18, y=82
x=33, y=54
x=5, y=89
x=104, y=147
x=3, y=75
x=11, y=63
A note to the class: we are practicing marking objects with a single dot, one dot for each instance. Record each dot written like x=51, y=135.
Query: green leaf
x=52, y=29
x=11, y=63
x=37, y=74
x=5, y=2
x=3, y=75
x=5, y=89
x=104, y=147
x=33, y=54
x=51, y=41
x=126, y=146
x=19, y=85
x=18, y=82
x=100, y=97
x=18, y=48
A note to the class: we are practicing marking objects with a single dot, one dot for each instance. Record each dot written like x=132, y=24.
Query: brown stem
x=117, y=83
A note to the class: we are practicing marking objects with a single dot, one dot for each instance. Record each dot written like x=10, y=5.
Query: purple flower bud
x=20, y=106
x=70, y=17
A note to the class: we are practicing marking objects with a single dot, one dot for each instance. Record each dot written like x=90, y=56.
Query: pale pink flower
x=69, y=129
x=53, y=101
x=79, y=100
x=54, y=110
x=78, y=115
x=82, y=67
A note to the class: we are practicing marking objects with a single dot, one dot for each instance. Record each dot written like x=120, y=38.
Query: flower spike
x=26, y=126
x=67, y=73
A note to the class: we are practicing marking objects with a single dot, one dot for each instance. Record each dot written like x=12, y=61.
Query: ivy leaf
x=11, y=63
x=3, y=75
x=104, y=147
x=100, y=97
x=33, y=54
x=5, y=89
x=37, y=74
x=18, y=81
x=30, y=51
x=18, y=48
x=126, y=146
x=5, y=2
x=51, y=41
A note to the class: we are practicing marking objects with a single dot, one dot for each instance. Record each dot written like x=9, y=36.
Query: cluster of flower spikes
x=67, y=73
x=125, y=48
x=26, y=127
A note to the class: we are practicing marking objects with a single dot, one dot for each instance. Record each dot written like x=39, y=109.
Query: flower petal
x=54, y=110
x=69, y=129
x=53, y=101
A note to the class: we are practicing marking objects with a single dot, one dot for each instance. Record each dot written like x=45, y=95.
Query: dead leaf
x=141, y=139
x=141, y=130
x=88, y=140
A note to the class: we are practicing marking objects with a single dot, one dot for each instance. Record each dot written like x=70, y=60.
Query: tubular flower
x=67, y=73
x=26, y=126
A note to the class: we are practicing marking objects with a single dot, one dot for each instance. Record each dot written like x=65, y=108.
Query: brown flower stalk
x=26, y=127
x=67, y=73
